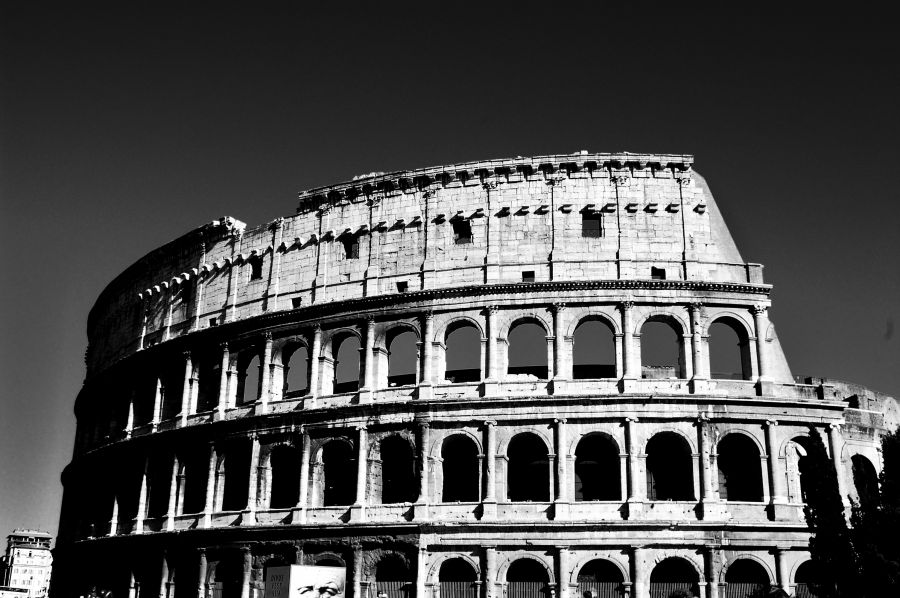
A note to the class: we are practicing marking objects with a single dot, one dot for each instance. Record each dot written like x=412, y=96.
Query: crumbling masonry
x=442, y=380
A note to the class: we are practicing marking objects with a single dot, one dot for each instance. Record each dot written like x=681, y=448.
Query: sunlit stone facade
x=451, y=382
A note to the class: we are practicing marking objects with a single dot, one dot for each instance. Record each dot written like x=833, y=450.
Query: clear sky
x=123, y=127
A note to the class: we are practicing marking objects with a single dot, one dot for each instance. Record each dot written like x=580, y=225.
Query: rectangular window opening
x=214, y=321
x=351, y=247
x=462, y=232
x=402, y=286
x=658, y=273
x=528, y=276
x=591, y=224
x=296, y=302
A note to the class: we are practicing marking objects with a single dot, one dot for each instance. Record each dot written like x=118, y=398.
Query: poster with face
x=303, y=581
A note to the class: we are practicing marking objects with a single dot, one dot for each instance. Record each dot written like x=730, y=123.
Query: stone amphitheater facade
x=434, y=378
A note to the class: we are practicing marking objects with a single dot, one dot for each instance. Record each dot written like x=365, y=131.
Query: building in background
x=550, y=376
x=27, y=563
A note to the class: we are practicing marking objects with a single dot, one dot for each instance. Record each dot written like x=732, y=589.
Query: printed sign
x=302, y=581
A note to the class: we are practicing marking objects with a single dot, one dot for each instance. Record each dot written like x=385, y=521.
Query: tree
x=833, y=557
x=876, y=527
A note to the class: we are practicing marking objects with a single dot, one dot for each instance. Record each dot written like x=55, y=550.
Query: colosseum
x=549, y=377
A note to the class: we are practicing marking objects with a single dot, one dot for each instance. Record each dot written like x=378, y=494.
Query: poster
x=303, y=581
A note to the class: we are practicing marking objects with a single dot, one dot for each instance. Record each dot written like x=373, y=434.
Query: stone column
x=246, y=570
x=369, y=363
x=776, y=473
x=132, y=586
x=425, y=383
x=781, y=569
x=358, y=510
x=560, y=359
x=836, y=445
x=640, y=582
x=632, y=359
x=210, y=486
x=562, y=576
x=357, y=571
x=201, y=573
x=421, y=564
x=164, y=576
x=249, y=517
x=173, y=497
x=562, y=472
x=142, y=500
x=761, y=321
x=186, y=394
x=492, y=365
x=490, y=465
x=157, y=406
x=114, y=520
x=224, y=380
x=265, y=374
x=708, y=496
x=129, y=423
x=636, y=496
x=424, y=442
x=303, y=498
x=315, y=366
x=490, y=571
x=711, y=573
x=701, y=371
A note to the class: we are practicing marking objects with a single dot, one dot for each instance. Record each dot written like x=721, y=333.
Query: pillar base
x=489, y=510
x=309, y=402
x=713, y=511
x=558, y=386
x=701, y=386
x=628, y=385
x=298, y=515
x=248, y=518
x=634, y=509
x=364, y=396
x=425, y=392
x=218, y=415
x=169, y=523
x=357, y=512
x=779, y=511
x=765, y=388
x=490, y=388
x=421, y=511
x=560, y=510
x=137, y=526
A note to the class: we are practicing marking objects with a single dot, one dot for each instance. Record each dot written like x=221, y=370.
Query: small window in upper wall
x=462, y=232
x=528, y=276
x=402, y=286
x=351, y=247
x=296, y=302
x=213, y=321
x=255, y=267
x=591, y=224
x=658, y=273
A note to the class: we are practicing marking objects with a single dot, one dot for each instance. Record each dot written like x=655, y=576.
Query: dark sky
x=123, y=128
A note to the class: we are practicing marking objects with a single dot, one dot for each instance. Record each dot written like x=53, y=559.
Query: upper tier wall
x=525, y=216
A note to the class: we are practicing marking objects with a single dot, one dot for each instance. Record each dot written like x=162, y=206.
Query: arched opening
x=172, y=385
x=296, y=371
x=351, y=246
x=256, y=267
x=594, y=351
x=398, y=471
x=159, y=477
x=209, y=375
x=740, y=469
x=528, y=469
x=797, y=469
x=729, y=351
x=248, y=378
x=393, y=579
x=527, y=351
x=226, y=579
x=284, y=489
x=597, y=469
x=463, y=353
x=144, y=396
x=194, y=473
x=662, y=350
x=670, y=469
x=235, y=471
x=402, y=358
x=457, y=579
x=804, y=577
x=346, y=364
x=459, y=465
x=673, y=575
x=865, y=479
x=526, y=578
x=339, y=483
x=600, y=578
x=746, y=579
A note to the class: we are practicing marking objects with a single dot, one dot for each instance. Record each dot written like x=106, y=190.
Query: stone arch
x=288, y=368
x=716, y=353
x=330, y=486
x=471, y=357
x=392, y=575
x=597, y=471
x=669, y=467
x=803, y=571
x=434, y=570
x=652, y=345
x=581, y=315
x=393, y=475
x=248, y=370
x=624, y=568
x=678, y=566
x=334, y=377
x=283, y=490
x=460, y=469
x=507, y=319
x=327, y=556
x=528, y=461
x=795, y=451
x=441, y=331
x=504, y=440
x=519, y=555
x=603, y=363
x=865, y=477
x=232, y=475
x=400, y=369
x=610, y=573
x=526, y=352
x=739, y=468
x=750, y=557
x=434, y=450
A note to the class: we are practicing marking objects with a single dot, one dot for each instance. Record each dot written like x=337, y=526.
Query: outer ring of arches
x=443, y=323
x=438, y=440
x=673, y=429
x=748, y=556
x=574, y=442
x=317, y=446
x=434, y=571
x=655, y=313
x=724, y=314
x=507, y=323
x=580, y=316
x=503, y=440
x=624, y=568
x=342, y=333
x=375, y=440
x=679, y=554
x=727, y=430
x=393, y=329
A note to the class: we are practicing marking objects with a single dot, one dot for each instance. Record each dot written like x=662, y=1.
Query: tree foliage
x=834, y=559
